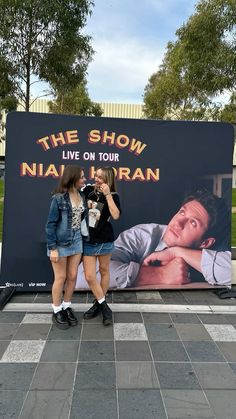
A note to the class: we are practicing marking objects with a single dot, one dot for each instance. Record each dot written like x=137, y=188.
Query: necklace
x=75, y=199
x=98, y=194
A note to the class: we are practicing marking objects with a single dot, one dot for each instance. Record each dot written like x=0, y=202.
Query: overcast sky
x=129, y=39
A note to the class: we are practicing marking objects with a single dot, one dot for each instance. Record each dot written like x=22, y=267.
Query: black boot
x=106, y=314
x=73, y=321
x=60, y=320
x=94, y=311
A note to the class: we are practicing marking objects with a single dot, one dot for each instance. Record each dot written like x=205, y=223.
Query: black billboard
x=157, y=163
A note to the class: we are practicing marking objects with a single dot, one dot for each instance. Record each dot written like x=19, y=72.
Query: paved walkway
x=168, y=355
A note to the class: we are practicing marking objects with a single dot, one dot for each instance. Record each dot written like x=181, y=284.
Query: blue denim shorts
x=96, y=249
x=75, y=247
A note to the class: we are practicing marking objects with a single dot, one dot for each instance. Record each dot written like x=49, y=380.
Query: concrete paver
x=167, y=356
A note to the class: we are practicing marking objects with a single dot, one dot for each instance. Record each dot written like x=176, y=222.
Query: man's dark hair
x=219, y=215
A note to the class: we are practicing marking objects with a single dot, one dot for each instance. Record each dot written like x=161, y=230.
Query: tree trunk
x=27, y=98
x=28, y=68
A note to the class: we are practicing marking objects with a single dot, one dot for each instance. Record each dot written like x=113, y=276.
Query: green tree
x=208, y=40
x=197, y=67
x=42, y=41
x=8, y=101
x=228, y=112
x=170, y=95
x=75, y=101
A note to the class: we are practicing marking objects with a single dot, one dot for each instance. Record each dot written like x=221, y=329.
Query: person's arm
x=53, y=218
x=190, y=256
x=123, y=275
x=215, y=266
x=126, y=256
x=114, y=211
x=113, y=208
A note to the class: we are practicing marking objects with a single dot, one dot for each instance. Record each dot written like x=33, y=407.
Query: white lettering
x=108, y=156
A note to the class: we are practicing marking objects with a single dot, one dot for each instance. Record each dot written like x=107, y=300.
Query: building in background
x=112, y=110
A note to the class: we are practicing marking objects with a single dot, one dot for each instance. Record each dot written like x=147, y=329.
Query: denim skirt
x=96, y=249
x=74, y=248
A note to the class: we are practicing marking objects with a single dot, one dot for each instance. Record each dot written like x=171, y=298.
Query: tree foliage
x=43, y=41
x=7, y=98
x=209, y=45
x=170, y=94
x=197, y=67
x=75, y=101
x=228, y=112
x=8, y=101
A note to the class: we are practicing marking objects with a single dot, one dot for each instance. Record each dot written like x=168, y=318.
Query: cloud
x=121, y=69
x=130, y=44
x=171, y=7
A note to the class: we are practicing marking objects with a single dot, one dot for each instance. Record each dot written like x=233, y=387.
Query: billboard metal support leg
x=226, y=293
x=5, y=295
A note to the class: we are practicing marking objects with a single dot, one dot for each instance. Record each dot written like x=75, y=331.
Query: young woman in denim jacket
x=64, y=242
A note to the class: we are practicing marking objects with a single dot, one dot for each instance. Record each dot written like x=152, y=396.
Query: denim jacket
x=59, y=222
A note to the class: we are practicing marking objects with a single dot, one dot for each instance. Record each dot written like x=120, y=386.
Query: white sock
x=56, y=309
x=101, y=300
x=65, y=304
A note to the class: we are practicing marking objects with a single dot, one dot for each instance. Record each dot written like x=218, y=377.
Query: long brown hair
x=69, y=178
x=109, y=176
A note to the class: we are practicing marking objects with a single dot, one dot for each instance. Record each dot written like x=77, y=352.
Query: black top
x=100, y=229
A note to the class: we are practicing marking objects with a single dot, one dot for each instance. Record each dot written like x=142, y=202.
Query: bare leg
x=104, y=265
x=89, y=263
x=59, y=269
x=71, y=275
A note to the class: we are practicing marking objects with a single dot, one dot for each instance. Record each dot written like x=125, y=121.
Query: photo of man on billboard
x=198, y=236
x=161, y=242
x=196, y=240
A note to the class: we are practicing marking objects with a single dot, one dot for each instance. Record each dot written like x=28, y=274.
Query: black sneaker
x=106, y=314
x=60, y=320
x=73, y=321
x=94, y=311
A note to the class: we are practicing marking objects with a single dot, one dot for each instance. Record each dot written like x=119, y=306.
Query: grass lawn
x=233, y=231
x=1, y=206
x=1, y=188
x=234, y=197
